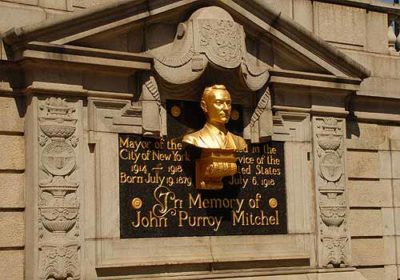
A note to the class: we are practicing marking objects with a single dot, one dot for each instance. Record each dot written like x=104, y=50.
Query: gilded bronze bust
x=218, y=158
x=216, y=104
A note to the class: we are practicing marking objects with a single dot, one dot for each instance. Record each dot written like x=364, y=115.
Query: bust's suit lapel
x=207, y=138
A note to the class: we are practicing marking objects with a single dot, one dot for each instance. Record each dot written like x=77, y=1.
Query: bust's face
x=218, y=107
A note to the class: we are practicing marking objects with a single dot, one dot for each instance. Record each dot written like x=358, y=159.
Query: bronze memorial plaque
x=204, y=178
x=158, y=196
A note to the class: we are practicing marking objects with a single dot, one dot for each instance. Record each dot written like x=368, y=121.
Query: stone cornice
x=264, y=16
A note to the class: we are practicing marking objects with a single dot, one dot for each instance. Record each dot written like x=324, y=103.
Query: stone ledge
x=372, y=273
x=261, y=274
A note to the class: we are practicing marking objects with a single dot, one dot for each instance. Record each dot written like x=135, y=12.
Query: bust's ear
x=203, y=105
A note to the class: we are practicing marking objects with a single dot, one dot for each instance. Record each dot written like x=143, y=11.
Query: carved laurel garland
x=331, y=197
x=58, y=198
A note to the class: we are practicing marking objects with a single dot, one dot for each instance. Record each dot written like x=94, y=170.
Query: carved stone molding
x=329, y=166
x=210, y=37
x=151, y=108
x=291, y=126
x=58, y=202
x=221, y=40
x=110, y=115
x=260, y=122
x=209, y=48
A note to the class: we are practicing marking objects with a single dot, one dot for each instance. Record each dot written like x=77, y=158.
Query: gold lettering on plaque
x=217, y=143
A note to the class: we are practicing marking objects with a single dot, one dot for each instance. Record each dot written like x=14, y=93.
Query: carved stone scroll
x=260, y=122
x=330, y=180
x=151, y=107
x=59, y=247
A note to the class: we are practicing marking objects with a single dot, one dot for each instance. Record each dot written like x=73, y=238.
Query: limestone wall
x=12, y=165
x=18, y=13
x=373, y=157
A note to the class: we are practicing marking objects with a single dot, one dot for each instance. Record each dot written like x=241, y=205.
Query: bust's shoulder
x=239, y=142
x=192, y=138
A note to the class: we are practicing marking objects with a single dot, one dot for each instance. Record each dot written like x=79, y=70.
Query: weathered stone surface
x=12, y=190
x=286, y=7
x=367, y=136
x=337, y=26
x=12, y=264
x=380, y=66
x=394, y=132
x=53, y=14
x=388, y=221
x=27, y=2
x=397, y=227
x=382, y=86
x=302, y=13
x=365, y=222
x=395, y=145
x=11, y=119
x=376, y=32
x=390, y=272
x=396, y=192
x=367, y=251
x=385, y=164
x=396, y=164
x=370, y=193
x=88, y=3
x=341, y=24
x=13, y=15
x=362, y=164
x=12, y=152
x=377, y=273
x=389, y=256
x=348, y=275
x=12, y=229
x=59, y=4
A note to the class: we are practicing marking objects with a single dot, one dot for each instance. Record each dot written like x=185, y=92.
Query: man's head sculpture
x=217, y=143
x=216, y=103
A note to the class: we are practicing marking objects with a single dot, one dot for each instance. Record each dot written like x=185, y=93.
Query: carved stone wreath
x=331, y=167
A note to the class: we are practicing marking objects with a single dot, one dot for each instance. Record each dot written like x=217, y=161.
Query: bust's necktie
x=222, y=140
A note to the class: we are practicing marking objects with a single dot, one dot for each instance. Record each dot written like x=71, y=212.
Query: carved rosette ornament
x=58, y=197
x=331, y=197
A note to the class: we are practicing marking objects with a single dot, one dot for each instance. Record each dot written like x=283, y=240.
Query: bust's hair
x=208, y=90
